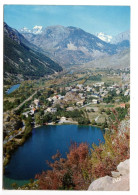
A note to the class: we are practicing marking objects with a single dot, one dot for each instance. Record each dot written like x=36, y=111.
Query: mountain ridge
x=21, y=61
x=71, y=45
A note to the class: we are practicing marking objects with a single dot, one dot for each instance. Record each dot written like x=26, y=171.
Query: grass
x=113, y=79
x=109, y=106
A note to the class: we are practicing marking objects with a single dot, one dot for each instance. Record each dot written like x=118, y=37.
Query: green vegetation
x=28, y=62
x=120, y=112
x=95, y=78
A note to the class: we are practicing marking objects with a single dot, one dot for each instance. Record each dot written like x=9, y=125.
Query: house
x=104, y=93
x=95, y=101
x=80, y=103
x=50, y=109
x=81, y=95
x=95, y=95
x=69, y=109
x=127, y=92
x=89, y=89
x=36, y=102
x=60, y=97
x=26, y=114
x=98, y=84
x=50, y=99
x=117, y=92
x=68, y=88
x=80, y=86
x=74, y=90
x=122, y=105
x=31, y=106
x=33, y=111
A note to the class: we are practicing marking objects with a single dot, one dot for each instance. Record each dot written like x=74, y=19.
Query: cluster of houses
x=80, y=96
x=33, y=108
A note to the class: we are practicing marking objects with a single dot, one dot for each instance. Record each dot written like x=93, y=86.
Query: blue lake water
x=13, y=88
x=30, y=158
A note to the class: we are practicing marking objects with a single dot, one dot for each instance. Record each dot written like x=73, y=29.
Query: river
x=30, y=158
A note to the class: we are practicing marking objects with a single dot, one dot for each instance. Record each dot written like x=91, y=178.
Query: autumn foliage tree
x=85, y=164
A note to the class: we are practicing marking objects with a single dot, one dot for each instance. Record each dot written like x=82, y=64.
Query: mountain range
x=22, y=59
x=30, y=54
x=72, y=46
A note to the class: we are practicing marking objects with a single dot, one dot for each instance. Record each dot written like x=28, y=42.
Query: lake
x=13, y=88
x=30, y=158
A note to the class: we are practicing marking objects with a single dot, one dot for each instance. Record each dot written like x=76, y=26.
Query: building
x=50, y=99
x=36, y=102
x=117, y=92
x=95, y=101
x=127, y=92
x=68, y=88
x=80, y=86
x=98, y=84
x=69, y=109
x=88, y=89
x=80, y=103
x=122, y=105
x=50, y=109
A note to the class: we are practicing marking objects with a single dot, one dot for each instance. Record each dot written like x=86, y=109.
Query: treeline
x=97, y=77
x=112, y=96
x=76, y=115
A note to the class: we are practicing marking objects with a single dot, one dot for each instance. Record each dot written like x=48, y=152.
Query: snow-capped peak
x=37, y=29
x=104, y=37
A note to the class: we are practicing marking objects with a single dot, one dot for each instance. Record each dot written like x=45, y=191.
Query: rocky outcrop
x=118, y=182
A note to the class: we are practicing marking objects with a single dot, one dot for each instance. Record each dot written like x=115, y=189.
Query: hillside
x=71, y=45
x=120, y=60
x=124, y=36
x=21, y=61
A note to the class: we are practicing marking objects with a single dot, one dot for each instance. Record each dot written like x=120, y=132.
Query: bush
x=83, y=165
x=93, y=122
x=83, y=121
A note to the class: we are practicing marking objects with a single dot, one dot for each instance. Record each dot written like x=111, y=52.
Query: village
x=80, y=97
x=89, y=103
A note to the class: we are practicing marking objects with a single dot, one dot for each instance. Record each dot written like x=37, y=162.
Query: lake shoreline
x=77, y=133
x=13, y=88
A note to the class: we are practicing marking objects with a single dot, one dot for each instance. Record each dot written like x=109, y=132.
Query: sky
x=111, y=20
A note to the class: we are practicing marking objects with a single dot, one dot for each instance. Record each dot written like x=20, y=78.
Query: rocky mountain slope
x=71, y=45
x=124, y=36
x=22, y=59
x=119, y=60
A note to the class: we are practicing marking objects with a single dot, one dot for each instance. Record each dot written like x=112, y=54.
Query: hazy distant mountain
x=124, y=36
x=70, y=45
x=119, y=60
x=21, y=61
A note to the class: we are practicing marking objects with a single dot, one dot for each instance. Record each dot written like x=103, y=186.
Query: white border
x=134, y=82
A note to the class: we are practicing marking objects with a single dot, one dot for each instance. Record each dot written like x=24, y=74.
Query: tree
x=93, y=122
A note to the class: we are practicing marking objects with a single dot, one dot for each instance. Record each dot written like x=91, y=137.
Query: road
x=25, y=101
x=13, y=136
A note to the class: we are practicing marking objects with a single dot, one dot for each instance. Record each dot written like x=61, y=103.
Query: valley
x=74, y=87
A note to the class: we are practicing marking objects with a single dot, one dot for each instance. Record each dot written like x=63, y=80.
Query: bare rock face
x=118, y=182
